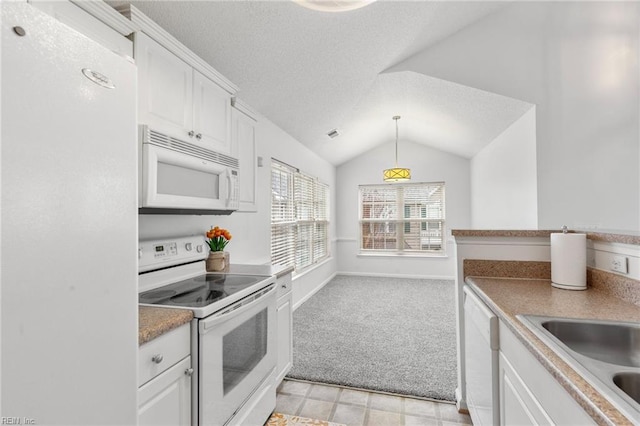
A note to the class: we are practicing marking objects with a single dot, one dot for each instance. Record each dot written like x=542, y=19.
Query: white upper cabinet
x=244, y=145
x=165, y=83
x=176, y=99
x=212, y=114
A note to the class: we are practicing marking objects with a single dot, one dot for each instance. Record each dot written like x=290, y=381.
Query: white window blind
x=283, y=219
x=402, y=217
x=299, y=217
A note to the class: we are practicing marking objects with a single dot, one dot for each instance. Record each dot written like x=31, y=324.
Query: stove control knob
x=188, y=246
x=199, y=248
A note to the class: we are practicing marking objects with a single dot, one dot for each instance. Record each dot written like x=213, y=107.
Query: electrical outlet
x=619, y=264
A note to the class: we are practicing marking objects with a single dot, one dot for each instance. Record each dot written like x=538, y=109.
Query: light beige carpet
x=279, y=419
x=382, y=334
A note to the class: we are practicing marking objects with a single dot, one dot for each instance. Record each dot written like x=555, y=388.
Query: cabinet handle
x=284, y=286
x=191, y=133
x=199, y=136
x=157, y=358
x=188, y=372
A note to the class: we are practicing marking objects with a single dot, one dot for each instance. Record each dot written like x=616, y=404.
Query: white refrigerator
x=68, y=259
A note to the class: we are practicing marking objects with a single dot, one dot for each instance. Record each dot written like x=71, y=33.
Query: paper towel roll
x=569, y=261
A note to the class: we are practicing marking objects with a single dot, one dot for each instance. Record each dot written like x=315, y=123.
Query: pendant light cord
x=396, y=118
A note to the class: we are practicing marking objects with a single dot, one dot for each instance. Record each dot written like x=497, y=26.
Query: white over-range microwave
x=179, y=177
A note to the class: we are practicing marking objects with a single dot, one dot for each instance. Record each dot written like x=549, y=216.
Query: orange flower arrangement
x=218, y=238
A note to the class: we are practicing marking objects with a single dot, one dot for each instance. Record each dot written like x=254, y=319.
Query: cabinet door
x=212, y=114
x=243, y=136
x=518, y=406
x=285, y=337
x=528, y=390
x=165, y=91
x=166, y=400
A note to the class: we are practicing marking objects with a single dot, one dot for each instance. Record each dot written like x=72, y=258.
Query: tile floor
x=359, y=408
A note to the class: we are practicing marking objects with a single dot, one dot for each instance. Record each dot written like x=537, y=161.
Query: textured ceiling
x=310, y=72
x=441, y=114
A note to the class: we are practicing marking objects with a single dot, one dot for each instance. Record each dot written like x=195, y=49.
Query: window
x=299, y=217
x=402, y=218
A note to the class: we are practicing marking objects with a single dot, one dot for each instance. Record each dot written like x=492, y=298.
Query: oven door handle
x=236, y=309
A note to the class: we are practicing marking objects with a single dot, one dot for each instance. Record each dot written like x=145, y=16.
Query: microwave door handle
x=209, y=323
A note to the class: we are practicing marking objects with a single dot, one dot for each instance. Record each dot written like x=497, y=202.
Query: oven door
x=236, y=353
x=172, y=179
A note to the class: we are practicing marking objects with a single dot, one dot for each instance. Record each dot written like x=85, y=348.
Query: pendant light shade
x=396, y=174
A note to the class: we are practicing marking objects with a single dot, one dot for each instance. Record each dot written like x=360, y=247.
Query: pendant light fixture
x=396, y=174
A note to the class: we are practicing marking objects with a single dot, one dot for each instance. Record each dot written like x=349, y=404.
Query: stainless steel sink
x=629, y=383
x=614, y=343
x=606, y=353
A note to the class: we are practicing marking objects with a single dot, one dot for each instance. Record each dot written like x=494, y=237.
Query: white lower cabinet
x=284, y=314
x=529, y=394
x=164, y=379
x=481, y=358
x=517, y=405
x=166, y=400
x=525, y=392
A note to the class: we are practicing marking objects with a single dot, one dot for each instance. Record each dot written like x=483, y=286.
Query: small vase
x=216, y=261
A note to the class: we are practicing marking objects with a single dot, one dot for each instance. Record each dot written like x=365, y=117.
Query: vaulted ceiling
x=310, y=72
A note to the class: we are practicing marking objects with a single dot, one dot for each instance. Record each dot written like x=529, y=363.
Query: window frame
x=309, y=243
x=399, y=221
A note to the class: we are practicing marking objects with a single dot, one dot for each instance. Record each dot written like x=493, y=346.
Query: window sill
x=409, y=255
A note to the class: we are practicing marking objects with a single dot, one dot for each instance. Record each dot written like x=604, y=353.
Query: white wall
x=427, y=165
x=504, y=192
x=578, y=62
x=251, y=243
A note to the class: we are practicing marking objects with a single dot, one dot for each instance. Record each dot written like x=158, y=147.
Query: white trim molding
x=143, y=23
x=107, y=14
x=244, y=108
x=407, y=276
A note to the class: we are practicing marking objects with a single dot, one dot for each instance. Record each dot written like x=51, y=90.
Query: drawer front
x=283, y=285
x=158, y=355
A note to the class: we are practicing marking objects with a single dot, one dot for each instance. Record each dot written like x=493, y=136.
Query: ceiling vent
x=333, y=133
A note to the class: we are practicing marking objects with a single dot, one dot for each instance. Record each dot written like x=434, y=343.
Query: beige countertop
x=509, y=297
x=153, y=322
x=612, y=237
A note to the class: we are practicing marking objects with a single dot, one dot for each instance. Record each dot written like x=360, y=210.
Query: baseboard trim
x=461, y=404
x=312, y=292
x=385, y=275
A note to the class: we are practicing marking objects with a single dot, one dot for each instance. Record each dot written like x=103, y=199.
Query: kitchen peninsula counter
x=623, y=237
x=508, y=297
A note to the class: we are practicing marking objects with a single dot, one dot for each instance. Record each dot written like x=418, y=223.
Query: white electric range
x=233, y=344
